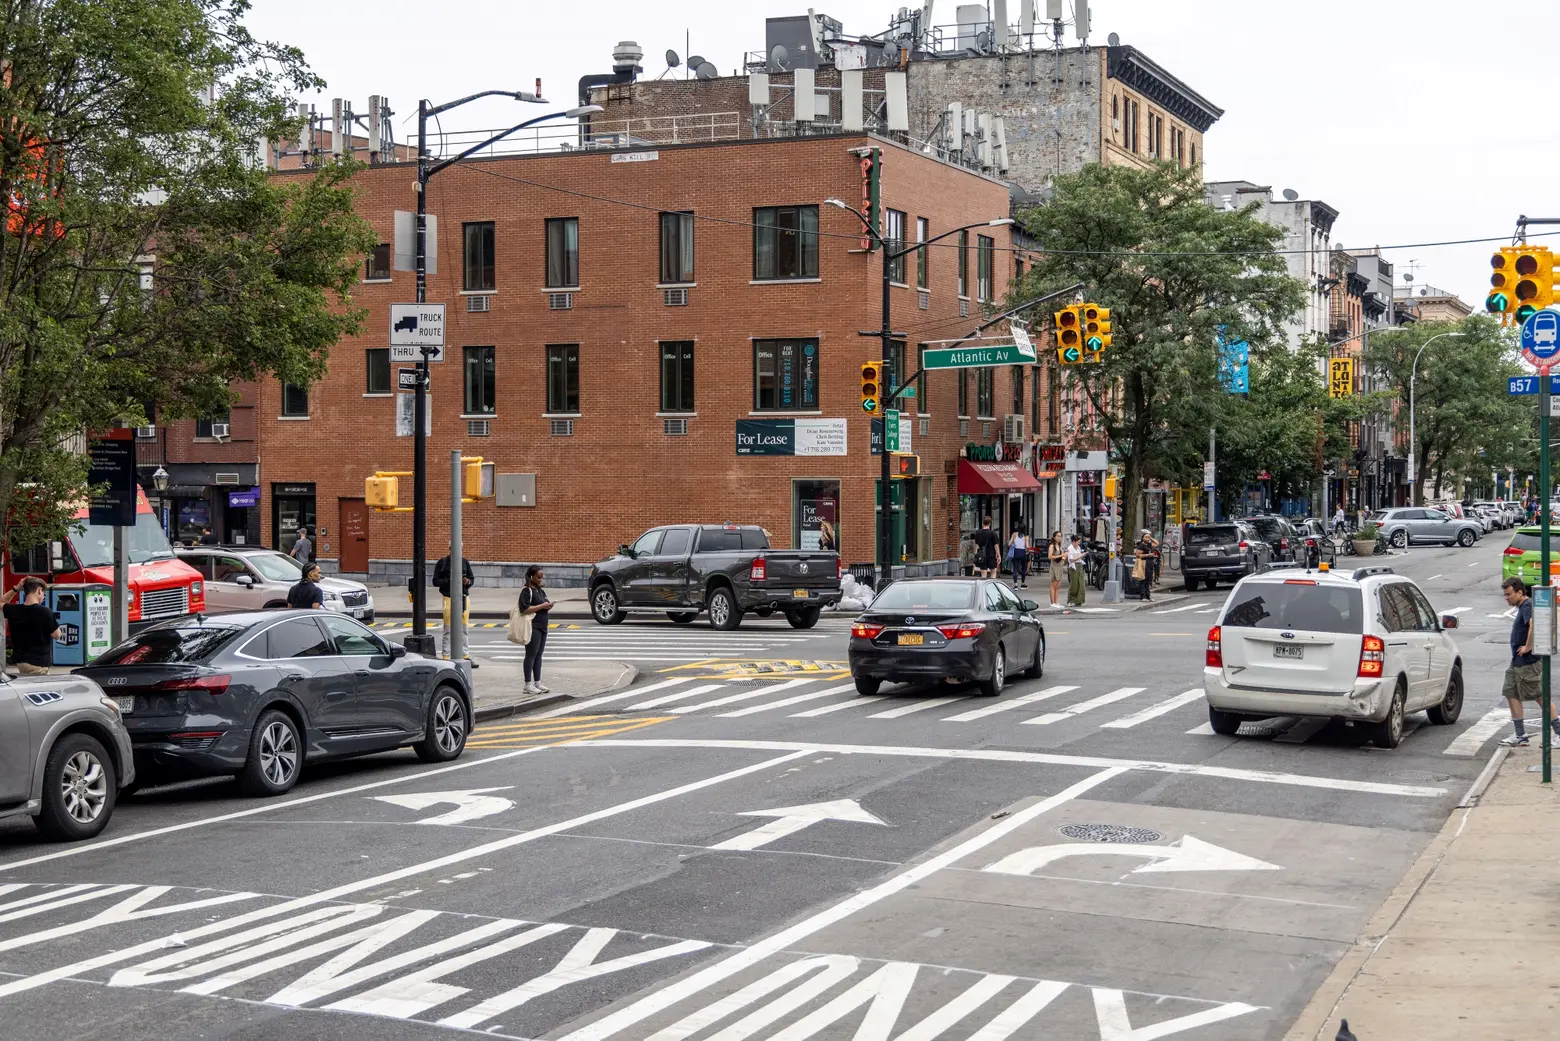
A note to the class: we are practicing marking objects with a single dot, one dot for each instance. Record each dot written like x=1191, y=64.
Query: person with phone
x=535, y=602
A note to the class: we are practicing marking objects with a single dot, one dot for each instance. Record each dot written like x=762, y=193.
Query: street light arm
x=518, y=95
x=441, y=164
x=999, y=222
x=1413, y=446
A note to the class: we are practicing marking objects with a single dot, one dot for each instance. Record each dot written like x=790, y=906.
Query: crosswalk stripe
x=1083, y=706
x=680, y=695
x=917, y=706
x=840, y=707
x=1154, y=711
x=1208, y=610
x=1470, y=740
x=744, y=696
x=1177, y=610
x=1206, y=728
x=577, y=706
x=1003, y=706
x=786, y=702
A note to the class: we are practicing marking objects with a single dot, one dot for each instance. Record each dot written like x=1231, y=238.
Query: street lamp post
x=886, y=337
x=1413, y=445
x=419, y=641
x=160, y=482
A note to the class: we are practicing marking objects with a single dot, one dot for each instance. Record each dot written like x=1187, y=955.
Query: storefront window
x=815, y=514
x=292, y=508
x=193, y=518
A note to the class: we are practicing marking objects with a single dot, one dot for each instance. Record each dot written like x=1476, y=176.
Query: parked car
x=64, y=754
x=1499, y=513
x=1408, y=524
x=1362, y=645
x=1230, y=551
x=1313, y=533
x=262, y=694
x=929, y=629
x=251, y=578
x=726, y=570
x=1489, y=519
x=1521, y=559
x=1278, y=533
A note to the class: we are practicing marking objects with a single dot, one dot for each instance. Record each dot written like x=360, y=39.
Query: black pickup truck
x=725, y=569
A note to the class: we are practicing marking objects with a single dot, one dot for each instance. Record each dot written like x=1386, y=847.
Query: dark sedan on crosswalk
x=928, y=629
x=260, y=694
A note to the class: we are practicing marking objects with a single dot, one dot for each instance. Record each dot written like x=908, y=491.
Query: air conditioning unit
x=674, y=427
x=560, y=301
x=225, y=478
x=477, y=428
x=563, y=428
x=1012, y=428
x=146, y=433
x=675, y=297
x=923, y=299
x=964, y=307
x=478, y=304
x=221, y=431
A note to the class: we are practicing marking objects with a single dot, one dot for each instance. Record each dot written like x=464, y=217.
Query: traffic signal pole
x=1543, y=552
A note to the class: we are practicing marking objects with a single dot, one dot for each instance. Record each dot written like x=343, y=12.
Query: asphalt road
x=739, y=846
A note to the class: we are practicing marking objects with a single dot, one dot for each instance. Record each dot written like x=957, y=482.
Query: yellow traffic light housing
x=1534, y=267
x=382, y=493
x=477, y=482
x=1069, y=327
x=1110, y=486
x=1096, y=328
x=871, y=386
x=1503, y=282
x=904, y=464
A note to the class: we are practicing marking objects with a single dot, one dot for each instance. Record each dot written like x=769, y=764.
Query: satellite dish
x=1291, y=194
x=1424, y=291
x=672, y=61
x=890, y=53
x=1114, y=39
x=706, y=71
x=694, y=61
x=778, y=56
x=983, y=41
x=1408, y=276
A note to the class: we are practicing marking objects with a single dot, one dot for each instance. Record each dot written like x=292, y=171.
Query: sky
x=1379, y=108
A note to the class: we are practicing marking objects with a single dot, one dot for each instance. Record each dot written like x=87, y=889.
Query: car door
x=1437, y=527
x=387, y=700
x=670, y=574
x=1406, y=651
x=223, y=588
x=315, y=676
x=1440, y=649
x=201, y=562
x=999, y=615
x=16, y=751
x=1025, y=633
x=635, y=580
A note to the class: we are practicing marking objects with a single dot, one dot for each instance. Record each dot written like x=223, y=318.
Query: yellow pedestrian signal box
x=871, y=386
x=1110, y=486
x=477, y=481
x=1069, y=327
x=382, y=493
x=904, y=465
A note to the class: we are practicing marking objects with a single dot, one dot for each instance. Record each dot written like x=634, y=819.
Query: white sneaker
x=537, y=688
x=529, y=688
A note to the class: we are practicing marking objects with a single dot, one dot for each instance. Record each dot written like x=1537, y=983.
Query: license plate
x=1286, y=651
x=800, y=594
x=359, y=612
x=126, y=705
x=911, y=639
x=1213, y=552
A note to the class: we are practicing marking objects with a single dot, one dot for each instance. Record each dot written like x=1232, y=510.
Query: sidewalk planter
x=1364, y=547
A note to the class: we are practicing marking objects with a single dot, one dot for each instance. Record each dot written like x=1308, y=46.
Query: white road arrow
x=470, y=805
x=793, y=819
x=1186, y=854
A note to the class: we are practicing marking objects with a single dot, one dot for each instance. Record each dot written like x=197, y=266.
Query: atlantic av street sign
x=977, y=357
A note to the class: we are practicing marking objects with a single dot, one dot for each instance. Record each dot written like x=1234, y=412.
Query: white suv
x=1359, y=645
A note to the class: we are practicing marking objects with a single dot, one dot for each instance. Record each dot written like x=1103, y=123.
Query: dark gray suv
x=1228, y=551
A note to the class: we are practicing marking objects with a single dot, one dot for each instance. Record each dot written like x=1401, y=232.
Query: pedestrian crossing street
x=1121, y=708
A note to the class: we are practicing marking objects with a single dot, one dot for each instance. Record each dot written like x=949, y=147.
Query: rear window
x=753, y=538
x=1280, y=605
x=1212, y=534
x=1266, y=525
x=926, y=596
x=165, y=646
x=719, y=540
x=1529, y=540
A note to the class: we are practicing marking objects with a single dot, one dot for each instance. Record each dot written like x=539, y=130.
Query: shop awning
x=994, y=478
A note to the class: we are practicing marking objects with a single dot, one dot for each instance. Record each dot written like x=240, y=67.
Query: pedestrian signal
x=381, y=493
x=871, y=385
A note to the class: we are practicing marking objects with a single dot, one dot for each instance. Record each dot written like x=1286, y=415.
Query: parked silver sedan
x=252, y=578
x=64, y=754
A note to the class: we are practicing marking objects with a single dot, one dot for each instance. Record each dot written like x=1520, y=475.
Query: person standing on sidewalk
x=1525, y=675
x=441, y=581
x=1075, y=576
x=306, y=594
x=1143, y=566
x=302, y=549
x=535, y=602
x=1056, y=554
x=33, y=627
x=1018, y=557
x=986, y=543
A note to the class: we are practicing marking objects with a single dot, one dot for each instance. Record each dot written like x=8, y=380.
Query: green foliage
x=168, y=262
x=1367, y=532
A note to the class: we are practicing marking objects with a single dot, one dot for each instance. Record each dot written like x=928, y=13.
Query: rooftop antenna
x=706, y=70
x=1291, y=194
x=1114, y=39
x=672, y=61
x=1081, y=21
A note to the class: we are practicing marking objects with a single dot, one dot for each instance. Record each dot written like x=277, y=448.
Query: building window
x=563, y=378
x=203, y=426
x=785, y=375
x=1053, y=404
x=1018, y=390
x=295, y=399
x=964, y=393
x=921, y=235
x=985, y=406
x=676, y=247
x=481, y=382
x=376, y=268
x=563, y=252
x=785, y=242
x=1178, y=145
x=893, y=243
x=479, y=256
x=677, y=376
x=1130, y=128
x=1018, y=268
x=1156, y=136
x=1194, y=153
x=1034, y=403
x=378, y=364
x=964, y=263
x=984, y=255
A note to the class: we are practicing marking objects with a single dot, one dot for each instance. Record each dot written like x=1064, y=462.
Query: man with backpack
x=441, y=582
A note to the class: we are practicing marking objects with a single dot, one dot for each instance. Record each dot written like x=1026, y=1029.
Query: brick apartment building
x=211, y=471
x=615, y=318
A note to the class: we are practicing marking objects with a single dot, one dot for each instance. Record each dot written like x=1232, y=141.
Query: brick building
x=616, y=319
x=211, y=472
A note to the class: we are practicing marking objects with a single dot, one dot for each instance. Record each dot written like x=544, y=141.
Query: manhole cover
x=1109, y=833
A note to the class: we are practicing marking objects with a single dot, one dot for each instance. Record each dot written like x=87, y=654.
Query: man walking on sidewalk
x=1524, y=677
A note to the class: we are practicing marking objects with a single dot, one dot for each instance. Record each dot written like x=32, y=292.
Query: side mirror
x=397, y=650
x=1448, y=621
x=625, y=550
x=1030, y=605
x=246, y=581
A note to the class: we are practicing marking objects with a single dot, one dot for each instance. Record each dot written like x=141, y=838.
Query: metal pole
x=885, y=500
x=1211, y=458
x=121, y=621
x=419, y=641
x=1543, y=543
x=457, y=567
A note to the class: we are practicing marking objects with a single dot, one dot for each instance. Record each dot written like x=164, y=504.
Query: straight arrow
x=791, y=819
x=1186, y=854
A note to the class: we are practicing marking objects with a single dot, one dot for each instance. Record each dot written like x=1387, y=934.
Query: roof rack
x=1374, y=569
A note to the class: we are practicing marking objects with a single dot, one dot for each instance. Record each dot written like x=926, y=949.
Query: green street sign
x=1071, y=355
x=976, y=357
x=891, y=428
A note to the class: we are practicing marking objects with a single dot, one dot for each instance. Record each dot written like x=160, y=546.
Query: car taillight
x=1214, y=659
x=1373, y=653
x=1283, y=543
x=1243, y=544
x=866, y=630
x=756, y=574
x=1512, y=551
x=839, y=569
x=209, y=684
x=962, y=632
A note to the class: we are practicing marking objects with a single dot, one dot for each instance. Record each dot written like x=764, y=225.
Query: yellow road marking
x=539, y=737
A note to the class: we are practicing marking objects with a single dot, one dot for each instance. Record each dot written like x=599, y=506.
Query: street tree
x=1175, y=273
x=150, y=258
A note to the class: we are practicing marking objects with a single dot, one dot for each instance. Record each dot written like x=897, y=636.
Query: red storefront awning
x=994, y=478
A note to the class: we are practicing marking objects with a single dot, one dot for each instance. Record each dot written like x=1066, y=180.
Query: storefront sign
x=791, y=437
x=997, y=453
x=247, y=497
x=292, y=489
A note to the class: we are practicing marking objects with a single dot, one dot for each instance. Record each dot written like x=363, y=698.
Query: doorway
x=353, y=536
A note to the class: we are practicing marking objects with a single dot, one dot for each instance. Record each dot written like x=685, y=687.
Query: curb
x=1159, y=602
x=519, y=708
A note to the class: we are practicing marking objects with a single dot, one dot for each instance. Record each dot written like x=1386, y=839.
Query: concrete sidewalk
x=1465, y=948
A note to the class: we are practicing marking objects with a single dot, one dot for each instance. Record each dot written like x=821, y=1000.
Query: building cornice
x=1136, y=70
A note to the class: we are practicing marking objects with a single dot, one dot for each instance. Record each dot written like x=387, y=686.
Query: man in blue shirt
x=1524, y=677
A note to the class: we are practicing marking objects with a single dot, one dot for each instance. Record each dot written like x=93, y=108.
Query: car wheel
x=1465, y=538
x=275, y=605
x=1399, y=538
x=724, y=612
x=1225, y=723
x=78, y=789
x=1389, y=732
x=604, y=605
x=682, y=617
x=867, y=686
x=1450, y=707
x=806, y=618
x=275, y=756
x=448, y=724
x=993, y=686
x=1037, y=665
x=1191, y=585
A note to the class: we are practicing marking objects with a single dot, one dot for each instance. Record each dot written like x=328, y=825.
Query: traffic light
x=1096, y=327
x=1535, y=273
x=1110, y=486
x=871, y=385
x=1069, y=335
x=1503, y=281
x=381, y=493
x=904, y=464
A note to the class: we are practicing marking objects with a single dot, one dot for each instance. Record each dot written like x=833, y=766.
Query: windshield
x=94, y=544
x=926, y=596
x=275, y=567
x=1294, y=605
x=165, y=646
